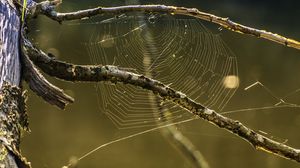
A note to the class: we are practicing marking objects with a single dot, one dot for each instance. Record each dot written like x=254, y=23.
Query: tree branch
x=47, y=8
x=113, y=74
x=40, y=85
x=36, y=81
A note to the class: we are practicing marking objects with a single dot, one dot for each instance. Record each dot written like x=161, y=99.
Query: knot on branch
x=45, y=7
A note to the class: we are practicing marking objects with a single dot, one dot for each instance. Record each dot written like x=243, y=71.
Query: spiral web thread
x=206, y=64
x=181, y=53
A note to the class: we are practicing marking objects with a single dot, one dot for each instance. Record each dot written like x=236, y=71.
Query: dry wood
x=47, y=8
x=114, y=74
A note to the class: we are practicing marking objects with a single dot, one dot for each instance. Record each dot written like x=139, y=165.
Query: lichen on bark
x=13, y=121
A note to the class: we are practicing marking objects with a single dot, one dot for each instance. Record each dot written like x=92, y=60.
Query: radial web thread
x=181, y=53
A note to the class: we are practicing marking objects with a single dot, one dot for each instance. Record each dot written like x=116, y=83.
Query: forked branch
x=47, y=8
x=40, y=85
x=114, y=74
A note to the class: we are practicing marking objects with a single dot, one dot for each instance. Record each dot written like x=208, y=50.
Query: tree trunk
x=10, y=69
x=12, y=101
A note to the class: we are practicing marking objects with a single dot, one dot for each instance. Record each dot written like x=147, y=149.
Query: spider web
x=106, y=38
x=181, y=53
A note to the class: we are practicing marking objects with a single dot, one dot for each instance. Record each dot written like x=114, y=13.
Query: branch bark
x=113, y=74
x=39, y=84
x=47, y=8
x=36, y=81
x=13, y=120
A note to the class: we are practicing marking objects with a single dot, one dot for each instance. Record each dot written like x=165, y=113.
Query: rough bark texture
x=10, y=68
x=12, y=107
x=13, y=120
x=113, y=74
x=41, y=86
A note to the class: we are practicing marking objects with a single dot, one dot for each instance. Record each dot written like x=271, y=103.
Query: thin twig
x=47, y=9
x=113, y=74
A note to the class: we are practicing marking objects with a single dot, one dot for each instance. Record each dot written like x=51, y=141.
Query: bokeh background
x=60, y=135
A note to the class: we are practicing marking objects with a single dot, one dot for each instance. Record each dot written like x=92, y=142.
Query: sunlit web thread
x=187, y=56
x=281, y=101
x=70, y=165
x=186, y=132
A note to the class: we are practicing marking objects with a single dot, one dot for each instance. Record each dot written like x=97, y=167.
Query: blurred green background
x=59, y=135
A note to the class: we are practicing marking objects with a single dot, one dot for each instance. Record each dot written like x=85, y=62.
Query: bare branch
x=113, y=74
x=39, y=84
x=48, y=9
